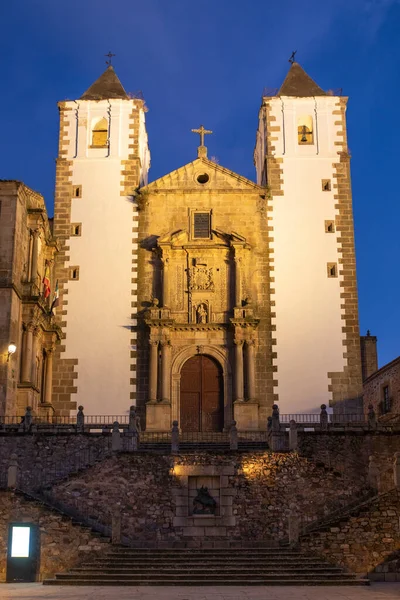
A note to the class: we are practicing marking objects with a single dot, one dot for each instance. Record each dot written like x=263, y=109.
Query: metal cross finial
x=202, y=132
x=292, y=58
x=109, y=55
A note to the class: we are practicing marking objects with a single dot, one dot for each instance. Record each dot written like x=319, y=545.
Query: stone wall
x=348, y=452
x=263, y=488
x=62, y=544
x=38, y=455
x=389, y=376
x=365, y=542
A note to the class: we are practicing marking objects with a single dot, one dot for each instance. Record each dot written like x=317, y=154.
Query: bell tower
x=103, y=158
x=302, y=157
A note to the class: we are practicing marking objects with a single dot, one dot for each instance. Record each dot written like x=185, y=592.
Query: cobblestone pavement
x=34, y=591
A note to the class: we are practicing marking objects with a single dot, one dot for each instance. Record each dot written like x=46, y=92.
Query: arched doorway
x=201, y=402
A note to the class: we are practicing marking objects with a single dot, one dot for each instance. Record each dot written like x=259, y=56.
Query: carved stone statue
x=204, y=503
x=201, y=313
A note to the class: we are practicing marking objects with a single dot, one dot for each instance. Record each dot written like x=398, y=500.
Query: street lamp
x=11, y=350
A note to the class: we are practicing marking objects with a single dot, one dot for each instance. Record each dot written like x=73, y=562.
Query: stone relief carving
x=201, y=278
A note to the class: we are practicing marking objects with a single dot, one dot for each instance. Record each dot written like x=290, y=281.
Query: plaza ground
x=31, y=591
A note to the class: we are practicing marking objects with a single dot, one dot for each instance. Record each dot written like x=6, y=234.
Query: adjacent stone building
x=382, y=391
x=204, y=297
x=28, y=331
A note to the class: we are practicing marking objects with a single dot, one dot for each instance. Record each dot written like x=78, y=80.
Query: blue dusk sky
x=208, y=62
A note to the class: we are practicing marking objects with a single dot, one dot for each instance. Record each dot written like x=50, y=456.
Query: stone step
x=216, y=559
x=208, y=582
x=200, y=570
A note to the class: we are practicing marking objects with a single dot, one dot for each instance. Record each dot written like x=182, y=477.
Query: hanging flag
x=56, y=298
x=46, y=281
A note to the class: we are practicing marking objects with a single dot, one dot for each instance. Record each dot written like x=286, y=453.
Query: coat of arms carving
x=201, y=278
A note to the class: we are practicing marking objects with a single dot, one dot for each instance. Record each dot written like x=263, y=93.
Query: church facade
x=204, y=297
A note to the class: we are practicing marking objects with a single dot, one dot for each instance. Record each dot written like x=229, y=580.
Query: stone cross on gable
x=202, y=150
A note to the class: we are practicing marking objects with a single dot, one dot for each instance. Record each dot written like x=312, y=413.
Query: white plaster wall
x=308, y=313
x=100, y=303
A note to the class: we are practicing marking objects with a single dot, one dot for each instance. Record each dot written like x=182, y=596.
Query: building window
x=329, y=226
x=76, y=229
x=305, y=130
x=100, y=134
x=326, y=185
x=202, y=225
x=77, y=191
x=385, y=400
x=332, y=269
x=74, y=273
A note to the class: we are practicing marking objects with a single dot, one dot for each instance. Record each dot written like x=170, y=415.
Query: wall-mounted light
x=11, y=350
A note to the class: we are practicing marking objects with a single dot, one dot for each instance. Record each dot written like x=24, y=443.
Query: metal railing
x=332, y=419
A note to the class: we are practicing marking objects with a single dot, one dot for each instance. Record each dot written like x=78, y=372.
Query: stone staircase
x=200, y=567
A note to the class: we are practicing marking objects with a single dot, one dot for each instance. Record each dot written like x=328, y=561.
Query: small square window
x=76, y=229
x=74, y=273
x=326, y=185
x=332, y=269
x=77, y=191
x=201, y=225
x=329, y=226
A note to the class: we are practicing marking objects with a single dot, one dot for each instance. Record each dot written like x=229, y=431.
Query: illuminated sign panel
x=20, y=538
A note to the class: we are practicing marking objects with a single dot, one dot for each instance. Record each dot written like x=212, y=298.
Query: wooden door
x=201, y=406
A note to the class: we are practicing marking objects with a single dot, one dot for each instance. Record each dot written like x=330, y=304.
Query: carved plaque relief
x=201, y=278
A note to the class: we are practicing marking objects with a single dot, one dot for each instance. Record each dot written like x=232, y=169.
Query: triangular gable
x=186, y=178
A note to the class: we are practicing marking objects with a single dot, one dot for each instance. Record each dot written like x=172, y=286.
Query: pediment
x=190, y=177
x=181, y=237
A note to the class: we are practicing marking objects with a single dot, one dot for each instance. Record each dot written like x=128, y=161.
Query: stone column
x=35, y=346
x=165, y=281
x=35, y=255
x=238, y=282
x=250, y=370
x=26, y=369
x=239, y=370
x=166, y=350
x=153, y=371
x=48, y=386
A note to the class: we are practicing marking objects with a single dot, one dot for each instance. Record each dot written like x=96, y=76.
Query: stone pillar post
x=238, y=282
x=116, y=438
x=175, y=438
x=373, y=474
x=48, y=386
x=294, y=529
x=116, y=525
x=80, y=420
x=153, y=368
x=35, y=256
x=396, y=470
x=233, y=437
x=26, y=369
x=239, y=370
x=35, y=347
x=275, y=418
x=323, y=417
x=12, y=475
x=165, y=281
x=293, y=435
x=372, y=423
x=166, y=350
x=250, y=370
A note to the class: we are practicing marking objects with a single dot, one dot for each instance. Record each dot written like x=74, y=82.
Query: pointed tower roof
x=106, y=86
x=298, y=83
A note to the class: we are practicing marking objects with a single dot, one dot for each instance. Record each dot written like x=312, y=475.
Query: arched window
x=305, y=133
x=100, y=134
